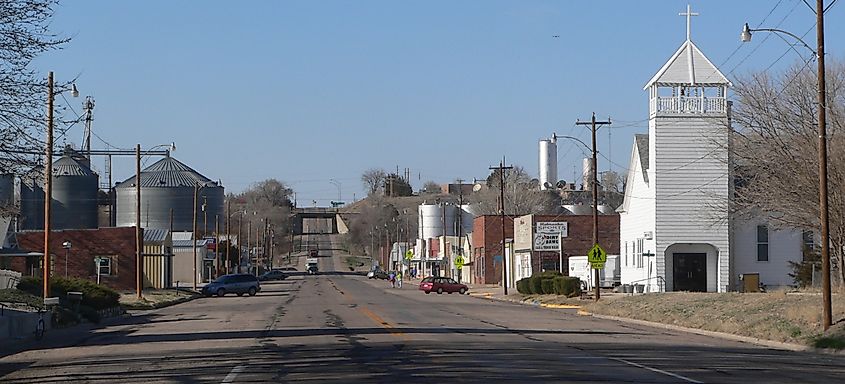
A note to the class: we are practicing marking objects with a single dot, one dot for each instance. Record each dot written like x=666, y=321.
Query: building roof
x=68, y=166
x=641, y=141
x=155, y=235
x=189, y=243
x=688, y=66
x=169, y=172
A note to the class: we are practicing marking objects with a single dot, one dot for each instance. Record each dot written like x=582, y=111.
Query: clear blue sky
x=307, y=91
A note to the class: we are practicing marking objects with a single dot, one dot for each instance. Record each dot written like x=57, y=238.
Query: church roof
x=642, y=149
x=688, y=66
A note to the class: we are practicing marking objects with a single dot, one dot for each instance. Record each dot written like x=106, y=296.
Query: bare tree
x=264, y=203
x=430, y=187
x=373, y=179
x=775, y=149
x=521, y=195
x=24, y=35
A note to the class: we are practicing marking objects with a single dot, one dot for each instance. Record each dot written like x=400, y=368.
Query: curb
x=164, y=304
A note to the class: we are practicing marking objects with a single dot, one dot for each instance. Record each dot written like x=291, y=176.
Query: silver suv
x=238, y=283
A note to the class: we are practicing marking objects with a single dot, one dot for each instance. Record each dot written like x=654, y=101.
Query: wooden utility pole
x=194, y=237
x=48, y=188
x=827, y=312
x=217, y=245
x=595, y=185
x=139, y=241
x=502, y=169
x=228, y=235
x=461, y=224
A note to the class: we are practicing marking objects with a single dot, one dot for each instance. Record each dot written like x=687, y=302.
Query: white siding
x=689, y=157
x=784, y=246
x=637, y=219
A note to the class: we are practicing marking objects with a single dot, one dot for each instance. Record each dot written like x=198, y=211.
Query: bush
x=535, y=283
x=548, y=286
x=95, y=296
x=567, y=286
x=89, y=314
x=523, y=287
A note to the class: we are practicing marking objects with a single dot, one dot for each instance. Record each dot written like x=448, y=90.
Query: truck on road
x=311, y=265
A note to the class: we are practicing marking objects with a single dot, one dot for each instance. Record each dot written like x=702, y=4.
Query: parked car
x=287, y=269
x=274, y=274
x=377, y=274
x=238, y=283
x=442, y=284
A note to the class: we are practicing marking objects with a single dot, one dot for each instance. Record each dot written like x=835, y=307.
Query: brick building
x=487, y=247
x=536, y=249
x=115, y=246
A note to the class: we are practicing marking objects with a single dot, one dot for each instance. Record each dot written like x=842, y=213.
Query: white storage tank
x=548, y=163
x=430, y=221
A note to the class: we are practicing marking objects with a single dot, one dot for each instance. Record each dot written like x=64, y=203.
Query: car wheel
x=252, y=291
x=462, y=291
x=221, y=292
x=427, y=292
x=240, y=294
x=439, y=291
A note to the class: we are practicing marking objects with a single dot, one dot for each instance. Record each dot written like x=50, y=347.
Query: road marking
x=677, y=376
x=230, y=378
x=382, y=323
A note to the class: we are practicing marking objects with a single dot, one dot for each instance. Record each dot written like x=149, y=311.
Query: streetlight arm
x=576, y=139
x=746, y=36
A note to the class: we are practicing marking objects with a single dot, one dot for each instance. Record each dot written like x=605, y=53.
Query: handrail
x=659, y=278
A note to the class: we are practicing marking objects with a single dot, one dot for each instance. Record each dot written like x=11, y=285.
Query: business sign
x=552, y=227
x=546, y=242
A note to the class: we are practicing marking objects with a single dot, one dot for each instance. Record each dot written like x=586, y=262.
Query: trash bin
x=640, y=288
x=626, y=288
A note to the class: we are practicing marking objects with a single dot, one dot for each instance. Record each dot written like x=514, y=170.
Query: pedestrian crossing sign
x=597, y=256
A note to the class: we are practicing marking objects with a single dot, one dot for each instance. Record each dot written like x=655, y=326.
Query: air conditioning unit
x=648, y=235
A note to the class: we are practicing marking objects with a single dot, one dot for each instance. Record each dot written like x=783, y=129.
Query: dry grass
x=154, y=298
x=793, y=317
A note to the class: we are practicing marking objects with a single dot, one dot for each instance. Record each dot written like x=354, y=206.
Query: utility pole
x=217, y=244
x=194, y=242
x=502, y=169
x=139, y=260
x=823, y=210
x=595, y=181
x=48, y=188
x=461, y=224
x=228, y=235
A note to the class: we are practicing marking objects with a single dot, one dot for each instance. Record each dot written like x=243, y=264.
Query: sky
x=315, y=92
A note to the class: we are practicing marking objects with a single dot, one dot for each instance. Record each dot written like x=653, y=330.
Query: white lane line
x=230, y=378
x=677, y=376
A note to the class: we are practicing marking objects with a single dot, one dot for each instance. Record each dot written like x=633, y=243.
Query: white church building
x=675, y=230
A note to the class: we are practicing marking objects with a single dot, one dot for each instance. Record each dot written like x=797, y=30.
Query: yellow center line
x=384, y=324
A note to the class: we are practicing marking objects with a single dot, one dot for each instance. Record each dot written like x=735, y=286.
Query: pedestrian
x=399, y=279
x=392, y=278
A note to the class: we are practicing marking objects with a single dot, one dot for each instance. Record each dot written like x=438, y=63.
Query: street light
x=745, y=36
x=66, y=245
x=336, y=184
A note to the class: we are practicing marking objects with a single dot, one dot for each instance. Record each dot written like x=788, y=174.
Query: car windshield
x=223, y=279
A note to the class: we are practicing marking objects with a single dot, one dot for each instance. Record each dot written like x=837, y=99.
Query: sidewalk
x=496, y=292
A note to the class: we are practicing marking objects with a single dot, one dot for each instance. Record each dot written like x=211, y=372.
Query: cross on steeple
x=688, y=14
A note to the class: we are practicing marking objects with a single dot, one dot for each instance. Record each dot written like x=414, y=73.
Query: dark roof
x=642, y=148
x=155, y=235
x=168, y=172
x=68, y=166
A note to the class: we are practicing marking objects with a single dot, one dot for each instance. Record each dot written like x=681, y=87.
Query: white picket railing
x=669, y=105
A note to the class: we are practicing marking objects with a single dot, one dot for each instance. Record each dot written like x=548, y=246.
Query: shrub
x=548, y=286
x=89, y=314
x=523, y=287
x=93, y=295
x=536, y=284
x=550, y=274
x=567, y=286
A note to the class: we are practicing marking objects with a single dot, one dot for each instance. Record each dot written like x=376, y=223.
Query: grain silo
x=548, y=163
x=75, y=189
x=170, y=185
x=32, y=202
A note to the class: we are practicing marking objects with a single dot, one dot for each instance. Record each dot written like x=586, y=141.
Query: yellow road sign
x=459, y=262
x=597, y=255
x=409, y=254
x=597, y=265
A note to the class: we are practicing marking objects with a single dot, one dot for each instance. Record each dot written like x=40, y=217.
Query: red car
x=442, y=284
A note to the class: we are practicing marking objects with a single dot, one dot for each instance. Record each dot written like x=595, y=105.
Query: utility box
x=750, y=282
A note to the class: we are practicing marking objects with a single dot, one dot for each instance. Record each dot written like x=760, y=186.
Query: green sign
x=409, y=254
x=459, y=262
x=597, y=257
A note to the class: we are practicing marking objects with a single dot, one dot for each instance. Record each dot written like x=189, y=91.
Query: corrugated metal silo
x=165, y=185
x=548, y=163
x=431, y=221
x=467, y=216
x=7, y=191
x=75, y=189
x=32, y=204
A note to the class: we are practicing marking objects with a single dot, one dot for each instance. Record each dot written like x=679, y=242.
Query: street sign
x=597, y=255
x=409, y=254
x=459, y=262
x=546, y=242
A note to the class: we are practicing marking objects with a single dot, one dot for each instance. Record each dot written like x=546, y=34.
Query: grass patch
x=158, y=298
x=834, y=342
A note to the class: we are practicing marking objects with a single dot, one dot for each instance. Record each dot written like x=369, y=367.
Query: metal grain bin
x=75, y=189
x=32, y=204
x=7, y=192
x=169, y=185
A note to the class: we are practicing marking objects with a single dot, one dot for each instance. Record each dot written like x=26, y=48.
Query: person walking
x=392, y=278
x=399, y=279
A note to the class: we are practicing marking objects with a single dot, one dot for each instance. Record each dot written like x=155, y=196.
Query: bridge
x=315, y=221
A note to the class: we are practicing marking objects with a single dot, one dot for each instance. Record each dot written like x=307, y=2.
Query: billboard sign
x=552, y=227
x=546, y=242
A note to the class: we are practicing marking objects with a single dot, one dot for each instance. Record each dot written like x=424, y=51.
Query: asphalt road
x=337, y=327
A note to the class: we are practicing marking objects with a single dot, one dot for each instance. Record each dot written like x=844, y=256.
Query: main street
x=338, y=327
